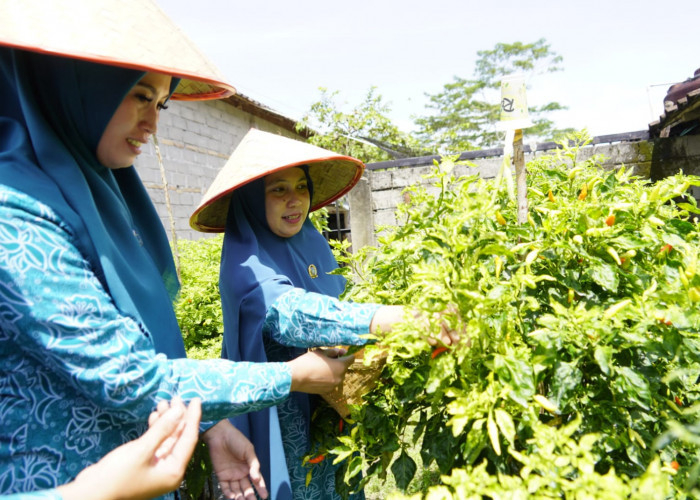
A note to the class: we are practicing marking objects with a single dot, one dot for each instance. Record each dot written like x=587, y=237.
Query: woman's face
x=134, y=121
x=286, y=201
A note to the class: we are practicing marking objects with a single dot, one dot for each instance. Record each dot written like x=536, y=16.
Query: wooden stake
x=520, y=175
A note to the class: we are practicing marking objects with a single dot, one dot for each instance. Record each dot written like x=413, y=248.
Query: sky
x=619, y=56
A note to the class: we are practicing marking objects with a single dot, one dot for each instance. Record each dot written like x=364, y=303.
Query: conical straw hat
x=133, y=34
x=262, y=153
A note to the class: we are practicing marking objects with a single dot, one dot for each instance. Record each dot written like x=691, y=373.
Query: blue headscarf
x=53, y=111
x=257, y=266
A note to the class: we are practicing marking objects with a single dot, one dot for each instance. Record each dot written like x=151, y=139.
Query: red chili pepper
x=340, y=425
x=678, y=401
x=666, y=248
x=437, y=351
x=317, y=459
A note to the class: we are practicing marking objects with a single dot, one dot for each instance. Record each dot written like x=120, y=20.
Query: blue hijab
x=257, y=266
x=53, y=111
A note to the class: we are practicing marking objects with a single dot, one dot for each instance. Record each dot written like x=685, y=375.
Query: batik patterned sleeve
x=307, y=319
x=61, y=332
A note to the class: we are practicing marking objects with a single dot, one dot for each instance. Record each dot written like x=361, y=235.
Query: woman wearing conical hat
x=90, y=343
x=277, y=295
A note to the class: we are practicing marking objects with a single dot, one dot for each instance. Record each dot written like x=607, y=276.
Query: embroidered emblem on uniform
x=312, y=271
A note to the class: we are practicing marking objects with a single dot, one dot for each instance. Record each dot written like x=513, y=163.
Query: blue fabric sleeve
x=37, y=495
x=55, y=312
x=307, y=319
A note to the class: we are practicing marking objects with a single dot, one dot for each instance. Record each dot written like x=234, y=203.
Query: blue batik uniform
x=274, y=310
x=89, y=342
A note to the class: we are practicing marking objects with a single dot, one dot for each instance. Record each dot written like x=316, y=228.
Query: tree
x=365, y=133
x=467, y=110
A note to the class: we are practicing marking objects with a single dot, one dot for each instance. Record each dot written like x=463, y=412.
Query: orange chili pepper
x=610, y=220
x=437, y=351
x=317, y=459
x=584, y=192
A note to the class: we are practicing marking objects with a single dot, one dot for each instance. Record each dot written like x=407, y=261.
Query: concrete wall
x=674, y=154
x=195, y=140
x=385, y=186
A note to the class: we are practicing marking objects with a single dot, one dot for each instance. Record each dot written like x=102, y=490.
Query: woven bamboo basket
x=359, y=380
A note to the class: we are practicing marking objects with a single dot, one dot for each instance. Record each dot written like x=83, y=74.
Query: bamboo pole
x=173, y=232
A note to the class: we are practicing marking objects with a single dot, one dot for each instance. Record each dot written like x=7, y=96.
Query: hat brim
x=261, y=154
x=134, y=34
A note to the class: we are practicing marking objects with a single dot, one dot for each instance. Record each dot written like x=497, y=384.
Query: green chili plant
x=580, y=337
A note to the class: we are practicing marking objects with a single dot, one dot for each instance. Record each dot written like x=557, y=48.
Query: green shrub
x=581, y=337
x=198, y=308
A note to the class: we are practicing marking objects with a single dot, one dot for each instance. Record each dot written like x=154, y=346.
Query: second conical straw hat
x=262, y=153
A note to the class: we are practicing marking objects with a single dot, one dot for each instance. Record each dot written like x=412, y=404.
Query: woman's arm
x=387, y=316
x=307, y=319
x=56, y=312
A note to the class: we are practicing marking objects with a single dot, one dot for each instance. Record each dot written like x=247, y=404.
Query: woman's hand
x=235, y=463
x=319, y=371
x=387, y=316
x=446, y=336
